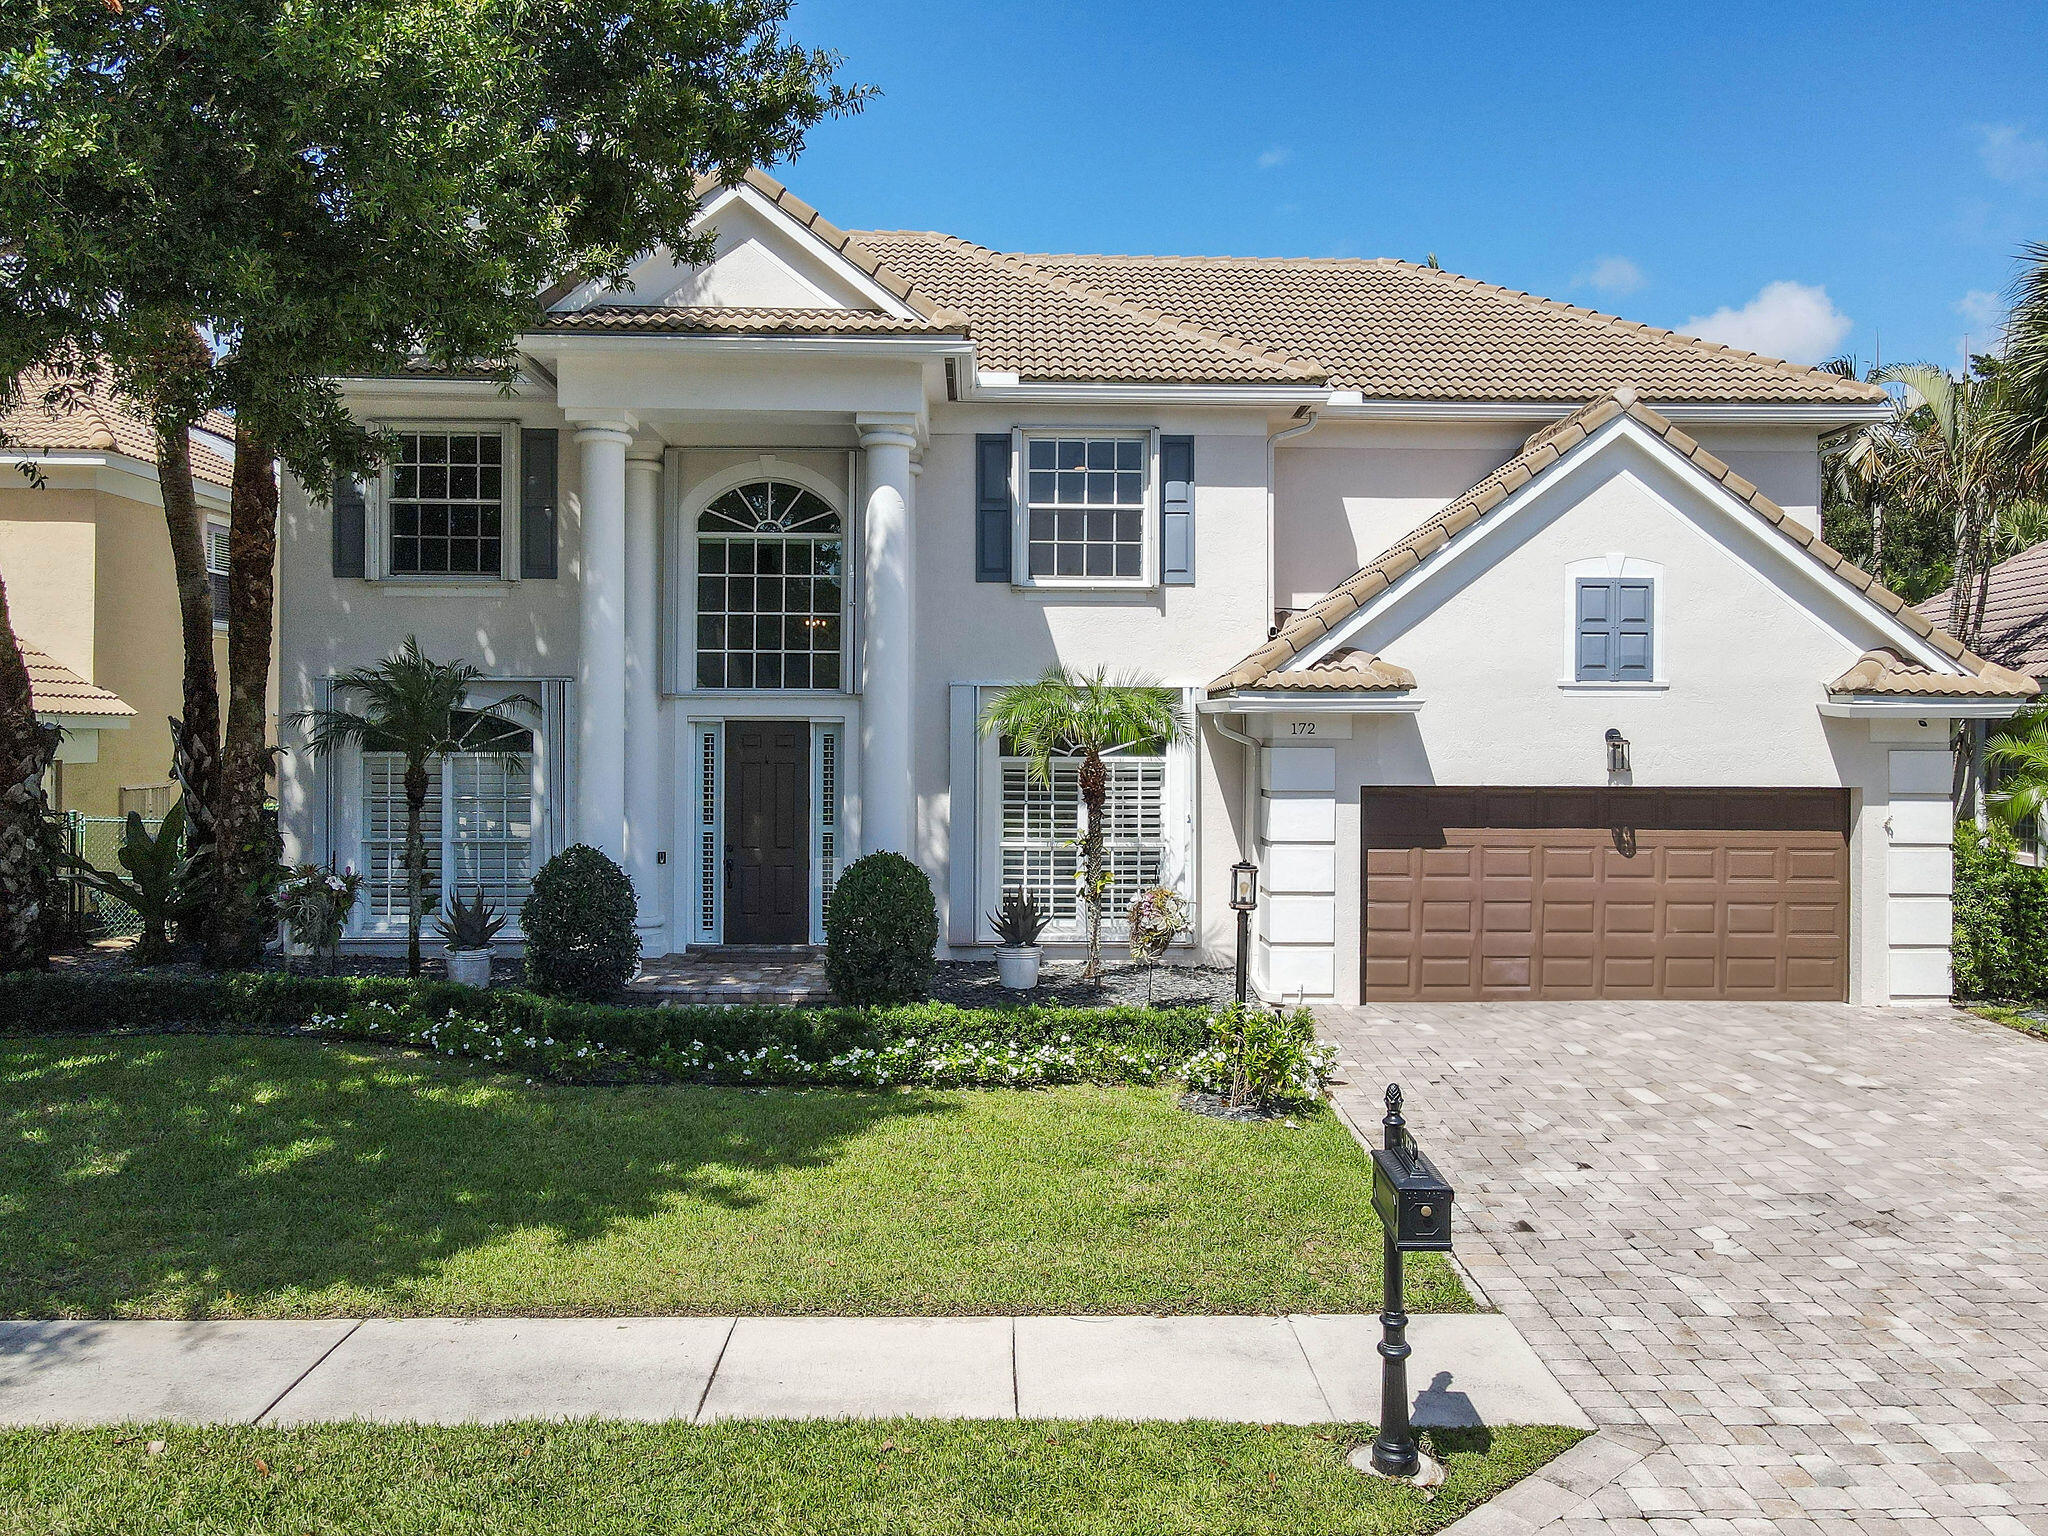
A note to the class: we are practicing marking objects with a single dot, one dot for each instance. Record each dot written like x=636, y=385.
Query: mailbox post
x=1414, y=1206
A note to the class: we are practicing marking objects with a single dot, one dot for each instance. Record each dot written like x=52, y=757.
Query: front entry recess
x=767, y=832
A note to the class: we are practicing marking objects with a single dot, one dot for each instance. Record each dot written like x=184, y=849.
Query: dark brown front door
x=1587, y=893
x=767, y=832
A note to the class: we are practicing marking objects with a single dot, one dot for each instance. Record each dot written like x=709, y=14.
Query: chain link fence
x=97, y=840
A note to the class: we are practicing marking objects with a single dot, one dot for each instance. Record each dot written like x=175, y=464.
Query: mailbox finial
x=1396, y=1127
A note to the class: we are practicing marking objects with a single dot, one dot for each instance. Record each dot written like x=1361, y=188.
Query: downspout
x=1273, y=441
x=1248, y=840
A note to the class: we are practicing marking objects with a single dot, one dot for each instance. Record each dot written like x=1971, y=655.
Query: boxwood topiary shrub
x=581, y=940
x=881, y=932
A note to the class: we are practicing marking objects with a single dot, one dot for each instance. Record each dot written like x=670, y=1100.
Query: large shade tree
x=418, y=708
x=1086, y=714
x=327, y=188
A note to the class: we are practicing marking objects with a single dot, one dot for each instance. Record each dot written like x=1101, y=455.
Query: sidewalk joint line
x=309, y=1370
x=1016, y=1401
x=705, y=1396
x=1313, y=1374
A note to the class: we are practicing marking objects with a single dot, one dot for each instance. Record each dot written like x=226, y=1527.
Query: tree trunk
x=26, y=746
x=1095, y=797
x=415, y=861
x=246, y=856
x=1877, y=539
x=195, y=733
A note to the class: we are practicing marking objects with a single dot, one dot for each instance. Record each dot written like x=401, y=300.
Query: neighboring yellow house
x=87, y=563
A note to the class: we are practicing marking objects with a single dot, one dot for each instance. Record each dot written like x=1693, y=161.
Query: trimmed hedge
x=921, y=1042
x=2001, y=909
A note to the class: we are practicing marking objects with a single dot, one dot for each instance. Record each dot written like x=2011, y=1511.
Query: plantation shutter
x=992, y=506
x=351, y=527
x=1177, y=510
x=539, y=497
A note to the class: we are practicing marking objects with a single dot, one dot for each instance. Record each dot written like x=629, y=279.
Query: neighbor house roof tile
x=2014, y=631
x=1543, y=450
x=60, y=691
x=97, y=419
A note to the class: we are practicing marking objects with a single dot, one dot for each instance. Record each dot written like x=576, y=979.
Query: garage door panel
x=1618, y=893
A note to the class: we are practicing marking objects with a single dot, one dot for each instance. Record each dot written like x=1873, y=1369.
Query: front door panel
x=767, y=832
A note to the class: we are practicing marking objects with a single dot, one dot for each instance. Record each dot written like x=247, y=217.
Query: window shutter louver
x=538, y=500
x=1177, y=510
x=351, y=527
x=992, y=506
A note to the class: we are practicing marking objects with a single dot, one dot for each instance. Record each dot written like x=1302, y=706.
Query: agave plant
x=469, y=925
x=160, y=880
x=1019, y=921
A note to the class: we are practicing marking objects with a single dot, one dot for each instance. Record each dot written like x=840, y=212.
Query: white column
x=645, y=833
x=601, y=661
x=888, y=807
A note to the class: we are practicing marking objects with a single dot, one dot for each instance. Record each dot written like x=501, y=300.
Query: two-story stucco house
x=1516, y=662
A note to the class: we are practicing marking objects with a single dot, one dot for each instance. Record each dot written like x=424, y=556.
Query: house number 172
x=1301, y=727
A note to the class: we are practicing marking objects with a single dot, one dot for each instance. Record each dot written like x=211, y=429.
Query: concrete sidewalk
x=1298, y=1370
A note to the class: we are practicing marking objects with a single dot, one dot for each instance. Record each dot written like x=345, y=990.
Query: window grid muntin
x=771, y=589
x=1040, y=834
x=447, y=504
x=1084, y=508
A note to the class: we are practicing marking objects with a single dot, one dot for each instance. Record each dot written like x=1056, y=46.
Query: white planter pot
x=470, y=967
x=1018, y=967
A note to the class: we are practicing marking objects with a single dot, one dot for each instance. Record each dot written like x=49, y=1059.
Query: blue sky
x=1800, y=179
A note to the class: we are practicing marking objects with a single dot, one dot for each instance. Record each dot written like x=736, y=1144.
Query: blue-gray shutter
x=1177, y=510
x=992, y=506
x=351, y=526
x=1614, y=643
x=539, y=453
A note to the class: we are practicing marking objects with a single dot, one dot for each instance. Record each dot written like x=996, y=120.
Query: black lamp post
x=1244, y=896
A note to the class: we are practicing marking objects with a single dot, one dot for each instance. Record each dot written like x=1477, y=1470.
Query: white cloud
x=2010, y=154
x=1274, y=158
x=1789, y=320
x=1613, y=274
x=1984, y=310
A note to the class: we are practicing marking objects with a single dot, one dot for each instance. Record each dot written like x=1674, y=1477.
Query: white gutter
x=1248, y=840
x=1890, y=706
x=1273, y=441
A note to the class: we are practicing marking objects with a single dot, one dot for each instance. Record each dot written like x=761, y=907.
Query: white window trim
x=679, y=646
x=1180, y=843
x=511, y=533
x=1020, y=514
x=214, y=525
x=346, y=788
x=1611, y=567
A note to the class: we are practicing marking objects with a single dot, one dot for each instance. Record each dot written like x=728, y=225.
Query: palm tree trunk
x=415, y=860
x=195, y=734
x=246, y=855
x=26, y=746
x=1095, y=797
x=1877, y=539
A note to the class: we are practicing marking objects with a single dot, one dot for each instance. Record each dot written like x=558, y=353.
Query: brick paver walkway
x=1802, y=1247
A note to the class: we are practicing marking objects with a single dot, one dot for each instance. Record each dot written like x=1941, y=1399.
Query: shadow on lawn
x=135, y=1172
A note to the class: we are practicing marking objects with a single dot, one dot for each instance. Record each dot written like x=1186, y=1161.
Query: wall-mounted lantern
x=1244, y=896
x=1617, y=751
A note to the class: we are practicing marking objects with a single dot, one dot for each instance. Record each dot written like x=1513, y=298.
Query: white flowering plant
x=1263, y=1058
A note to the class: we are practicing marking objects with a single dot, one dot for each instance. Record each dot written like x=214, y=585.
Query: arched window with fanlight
x=770, y=589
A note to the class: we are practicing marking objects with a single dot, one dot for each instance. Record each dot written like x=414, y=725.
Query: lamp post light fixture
x=1617, y=751
x=1244, y=896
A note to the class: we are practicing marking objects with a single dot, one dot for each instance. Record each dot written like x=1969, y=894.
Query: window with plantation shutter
x=1042, y=825
x=478, y=825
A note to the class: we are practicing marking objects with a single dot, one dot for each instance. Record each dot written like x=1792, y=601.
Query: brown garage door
x=1561, y=893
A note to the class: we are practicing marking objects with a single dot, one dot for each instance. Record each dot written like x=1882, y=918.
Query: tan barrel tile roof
x=733, y=320
x=1543, y=450
x=2015, y=628
x=1886, y=671
x=60, y=691
x=1043, y=325
x=98, y=420
x=1394, y=330
x=1343, y=671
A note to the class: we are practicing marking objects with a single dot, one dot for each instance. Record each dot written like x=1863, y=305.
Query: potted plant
x=1018, y=923
x=468, y=929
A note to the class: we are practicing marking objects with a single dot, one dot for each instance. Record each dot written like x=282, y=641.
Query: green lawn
x=757, y=1478
x=188, y=1176
x=2026, y=1020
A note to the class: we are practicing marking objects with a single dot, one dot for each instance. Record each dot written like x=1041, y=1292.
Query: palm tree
x=2018, y=748
x=2024, y=427
x=1066, y=712
x=418, y=708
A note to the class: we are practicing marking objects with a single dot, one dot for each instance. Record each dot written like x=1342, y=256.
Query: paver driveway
x=1803, y=1246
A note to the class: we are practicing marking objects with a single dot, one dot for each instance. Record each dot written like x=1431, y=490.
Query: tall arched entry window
x=770, y=589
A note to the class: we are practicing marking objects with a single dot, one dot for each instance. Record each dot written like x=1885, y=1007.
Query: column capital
x=604, y=429
x=644, y=456
x=887, y=431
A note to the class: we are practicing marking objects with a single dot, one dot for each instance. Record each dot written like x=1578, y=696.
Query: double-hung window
x=478, y=823
x=447, y=503
x=1043, y=824
x=217, y=569
x=1085, y=520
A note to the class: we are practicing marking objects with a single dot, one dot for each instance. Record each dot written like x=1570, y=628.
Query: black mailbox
x=1413, y=1201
